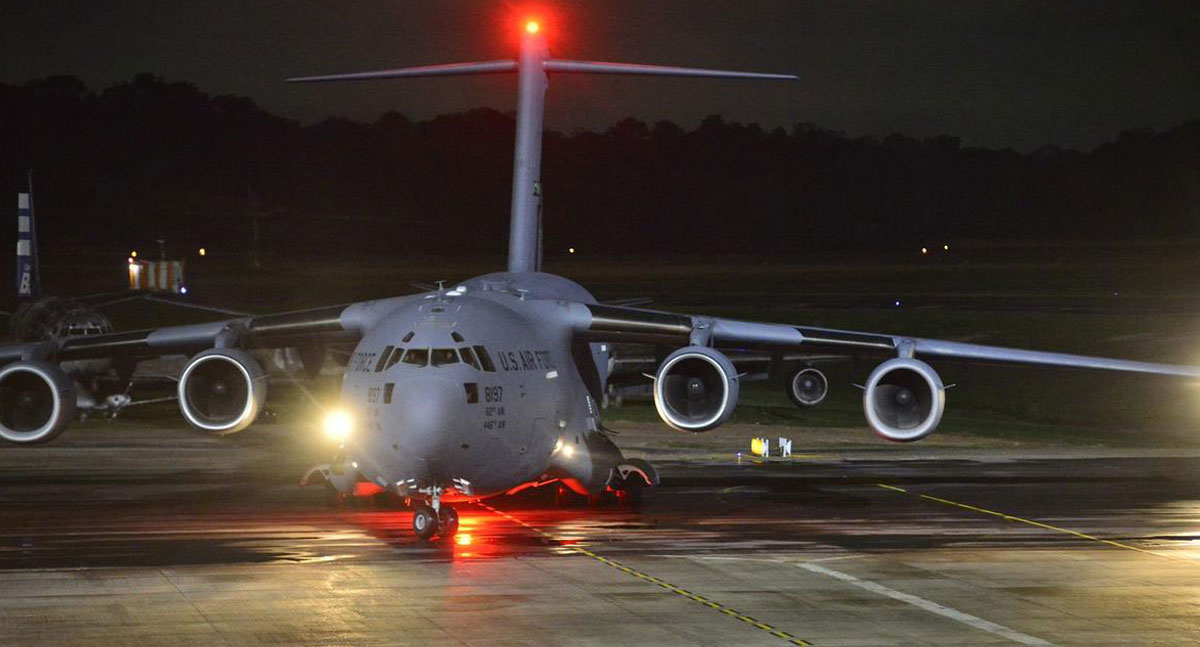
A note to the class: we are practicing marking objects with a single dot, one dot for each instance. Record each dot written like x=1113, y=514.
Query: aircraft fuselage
x=478, y=390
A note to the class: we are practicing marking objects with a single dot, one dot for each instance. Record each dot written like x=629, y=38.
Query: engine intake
x=904, y=399
x=37, y=400
x=695, y=389
x=222, y=390
x=807, y=387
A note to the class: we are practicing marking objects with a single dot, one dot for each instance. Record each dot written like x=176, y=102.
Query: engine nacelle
x=904, y=399
x=695, y=389
x=222, y=390
x=807, y=387
x=37, y=400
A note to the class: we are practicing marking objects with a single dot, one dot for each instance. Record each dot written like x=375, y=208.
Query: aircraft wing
x=610, y=323
x=327, y=325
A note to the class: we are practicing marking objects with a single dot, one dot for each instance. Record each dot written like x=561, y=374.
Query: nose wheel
x=432, y=519
x=448, y=522
x=425, y=522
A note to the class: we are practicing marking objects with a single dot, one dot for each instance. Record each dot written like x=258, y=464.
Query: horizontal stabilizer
x=452, y=69
x=551, y=65
x=596, y=67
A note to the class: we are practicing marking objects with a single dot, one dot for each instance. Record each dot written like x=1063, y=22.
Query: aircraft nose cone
x=426, y=415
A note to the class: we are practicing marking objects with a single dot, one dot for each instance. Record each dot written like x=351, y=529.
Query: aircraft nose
x=426, y=415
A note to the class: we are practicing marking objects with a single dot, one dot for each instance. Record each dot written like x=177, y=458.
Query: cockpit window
x=444, y=356
x=468, y=356
x=456, y=337
x=485, y=360
x=383, y=359
x=408, y=337
x=395, y=357
x=416, y=356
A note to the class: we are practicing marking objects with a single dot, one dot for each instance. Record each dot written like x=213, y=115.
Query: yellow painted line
x=633, y=572
x=1037, y=524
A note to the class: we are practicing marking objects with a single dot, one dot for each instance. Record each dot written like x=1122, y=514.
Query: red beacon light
x=532, y=27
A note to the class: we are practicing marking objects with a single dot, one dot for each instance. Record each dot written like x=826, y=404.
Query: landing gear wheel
x=629, y=492
x=425, y=521
x=448, y=521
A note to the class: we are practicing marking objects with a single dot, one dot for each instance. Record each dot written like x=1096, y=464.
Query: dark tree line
x=151, y=158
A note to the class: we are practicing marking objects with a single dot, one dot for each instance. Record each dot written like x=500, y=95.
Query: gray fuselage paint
x=455, y=423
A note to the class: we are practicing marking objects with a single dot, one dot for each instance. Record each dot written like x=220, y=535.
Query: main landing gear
x=434, y=519
x=630, y=477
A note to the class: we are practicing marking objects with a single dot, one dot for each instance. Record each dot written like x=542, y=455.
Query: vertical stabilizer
x=28, y=279
x=532, y=66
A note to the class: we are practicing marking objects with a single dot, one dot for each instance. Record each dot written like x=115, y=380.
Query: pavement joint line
x=711, y=604
x=1036, y=524
x=929, y=605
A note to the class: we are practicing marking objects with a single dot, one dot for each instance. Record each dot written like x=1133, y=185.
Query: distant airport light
x=338, y=424
x=568, y=451
x=532, y=27
x=202, y=251
x=946, y=247
x=183, y=289
x=924, y=250
x=129, y=260
x=897, y=303
x=570, y=250
x=133, y=254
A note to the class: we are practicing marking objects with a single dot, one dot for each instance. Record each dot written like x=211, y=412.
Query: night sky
x=998, y=74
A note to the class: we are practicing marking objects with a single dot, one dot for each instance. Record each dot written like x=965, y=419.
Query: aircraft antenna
x=532, y=66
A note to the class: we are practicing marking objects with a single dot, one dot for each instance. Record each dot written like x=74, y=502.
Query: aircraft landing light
x=338, y=424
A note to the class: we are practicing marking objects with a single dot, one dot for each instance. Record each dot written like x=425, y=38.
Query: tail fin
x=532, y=66
x=28, y=275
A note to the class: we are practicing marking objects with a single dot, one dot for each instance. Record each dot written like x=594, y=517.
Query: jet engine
x=695, y=389
x=37, y=400
x=807, y=387
x=222, y=390
x=904, y=399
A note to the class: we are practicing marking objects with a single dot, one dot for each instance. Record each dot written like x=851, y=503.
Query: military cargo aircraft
x=494, y=384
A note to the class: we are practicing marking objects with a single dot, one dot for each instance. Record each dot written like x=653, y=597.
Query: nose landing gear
x=434, y=519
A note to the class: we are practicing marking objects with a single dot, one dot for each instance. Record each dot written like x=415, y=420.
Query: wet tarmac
x=155, y=537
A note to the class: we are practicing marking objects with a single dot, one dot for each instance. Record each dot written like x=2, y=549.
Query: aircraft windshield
x=468, y=356
x=416, y=356
x=444, y=356
x=475, y=357
x=394, y=358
